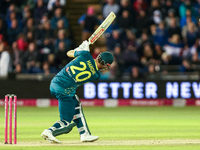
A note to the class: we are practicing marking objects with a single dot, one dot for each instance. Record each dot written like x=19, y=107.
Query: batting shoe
x=47, y=135
x=86, y=137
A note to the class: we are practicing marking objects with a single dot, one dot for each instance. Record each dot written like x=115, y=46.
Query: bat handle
x=89, y=42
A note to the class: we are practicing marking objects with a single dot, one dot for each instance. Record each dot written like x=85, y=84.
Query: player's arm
x=71, y=53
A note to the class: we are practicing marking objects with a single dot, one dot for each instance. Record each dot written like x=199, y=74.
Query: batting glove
x=83, y=47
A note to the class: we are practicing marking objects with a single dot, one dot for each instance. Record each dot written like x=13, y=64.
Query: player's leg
x=81, y=123
x=67, y=110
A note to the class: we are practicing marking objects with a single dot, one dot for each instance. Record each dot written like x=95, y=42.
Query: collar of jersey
x=96, y=64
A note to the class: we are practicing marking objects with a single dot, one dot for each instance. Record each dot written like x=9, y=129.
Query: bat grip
x=89, y=42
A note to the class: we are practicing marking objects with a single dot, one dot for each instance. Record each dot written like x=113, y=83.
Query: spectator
x=183, y=19
x=62, y=38
x=161, y=35
x=45, y=32
x=29, y=26
x=21, y=42
x=158, y=53
x=30, y=37
x=39, y=11
x=139, y=5
x=18, y=68
x=142, y=21
x=56, y=5
x=185, y=28
x=111, y=6
x=125, y=21
x=113, y=40
x=167, y=6
x=45, y=49
x=12, y=8
x=151, y=70
x=148, y=55
x=30, y=4
x=58, y=16
x=43, y=20
x=30, y=57
x=13, y=15
x=51, y=3
x=186, y=66
x=130, y=41
x=26, y=16
x=174, y=47
x=47, y=69
x=61, y=59
x=126, y=5
x=88, y=22
x=191, y=36
x=5, y=61
x=96, y=52
x=13, y=32
x=143, y=40
x=135, y=73
x=52, y=64
x=184, y=7
x=17, y=55
x=174, y=28
x=131, y=58
x=157, y=17
x=171, y=15
x=60, y=26
x=155, y=6
x=119, y=59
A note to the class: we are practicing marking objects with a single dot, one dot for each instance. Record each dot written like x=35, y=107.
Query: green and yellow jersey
x=80, y=70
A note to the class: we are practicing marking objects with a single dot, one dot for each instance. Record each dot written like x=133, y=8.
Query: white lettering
x=150, y=90
x=172, y=90
x=126, y=89
x=138, y=90
x=103, y=90
x=196, y=89
x=89, y=90
x=114, y=86
x=185, y=90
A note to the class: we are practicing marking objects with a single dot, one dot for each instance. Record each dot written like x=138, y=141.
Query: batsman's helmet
x=105, y=59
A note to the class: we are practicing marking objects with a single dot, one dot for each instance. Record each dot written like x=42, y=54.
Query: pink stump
x=6, y=119
x=15, y=119
x=10, y=119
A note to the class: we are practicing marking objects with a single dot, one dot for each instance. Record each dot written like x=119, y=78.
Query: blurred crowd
x=146, y=34
x=34, y=36
x=151, y=33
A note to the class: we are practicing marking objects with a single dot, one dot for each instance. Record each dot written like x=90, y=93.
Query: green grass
x=118, y=128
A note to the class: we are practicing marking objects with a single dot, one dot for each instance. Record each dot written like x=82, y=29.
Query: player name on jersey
x=91, y=67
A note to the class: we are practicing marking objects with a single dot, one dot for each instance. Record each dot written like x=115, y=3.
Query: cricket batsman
x=82, y=69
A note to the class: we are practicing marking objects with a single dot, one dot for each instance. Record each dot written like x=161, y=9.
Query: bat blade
x=102, y=28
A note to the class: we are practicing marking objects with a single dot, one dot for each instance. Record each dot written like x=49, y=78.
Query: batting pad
x=62, y=127
x=79, y=118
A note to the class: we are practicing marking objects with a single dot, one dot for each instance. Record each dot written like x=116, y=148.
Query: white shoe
x=86, y=137
x=47, y=135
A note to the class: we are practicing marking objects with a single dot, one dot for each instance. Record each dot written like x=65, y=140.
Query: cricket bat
x=102, y=28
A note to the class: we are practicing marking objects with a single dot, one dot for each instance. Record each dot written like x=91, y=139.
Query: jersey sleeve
x=79, y=53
